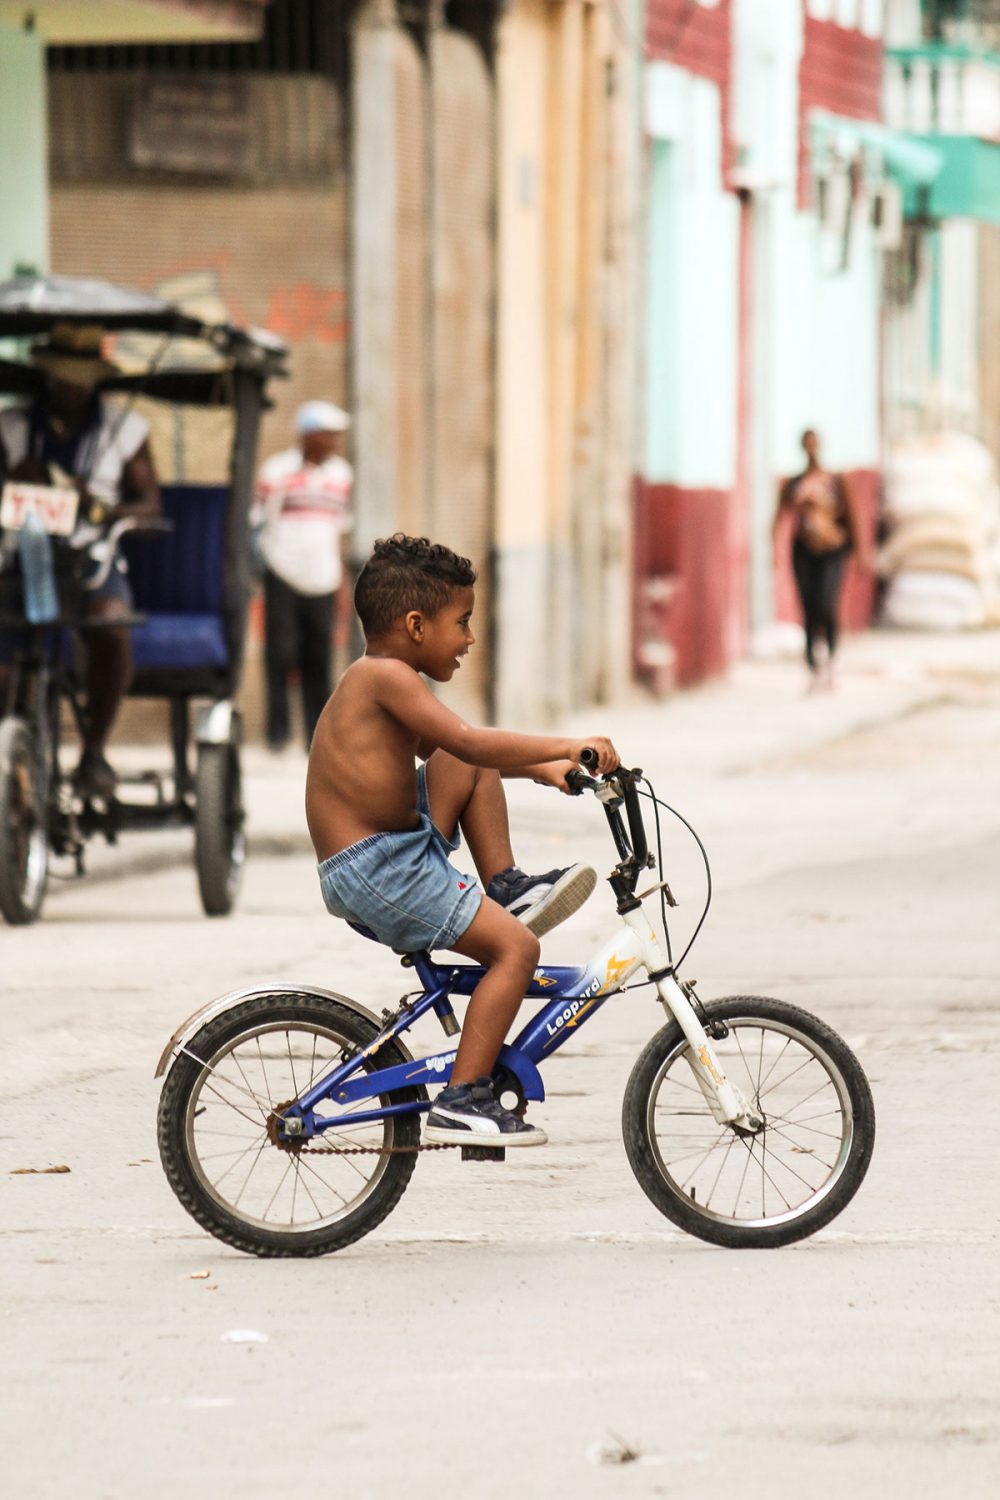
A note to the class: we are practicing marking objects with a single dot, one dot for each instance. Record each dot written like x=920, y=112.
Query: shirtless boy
x=383, y=829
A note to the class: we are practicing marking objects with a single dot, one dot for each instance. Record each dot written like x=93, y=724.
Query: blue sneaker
x=541, y=902
x=469, y=1115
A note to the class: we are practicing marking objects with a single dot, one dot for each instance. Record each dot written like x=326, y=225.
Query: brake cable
x=657, y=804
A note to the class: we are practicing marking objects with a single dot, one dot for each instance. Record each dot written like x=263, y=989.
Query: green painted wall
x=24, y=215
x=692, y=288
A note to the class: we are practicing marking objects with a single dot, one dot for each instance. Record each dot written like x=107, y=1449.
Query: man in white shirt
x=302, y=515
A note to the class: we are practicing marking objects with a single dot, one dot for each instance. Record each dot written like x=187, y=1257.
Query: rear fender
x=214, y=1008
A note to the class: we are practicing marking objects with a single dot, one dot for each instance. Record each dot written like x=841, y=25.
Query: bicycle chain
x=290, y=1146
x=375, y=1150
x=294, y=1149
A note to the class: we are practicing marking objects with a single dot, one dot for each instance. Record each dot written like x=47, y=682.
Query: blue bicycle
x=289, y=1119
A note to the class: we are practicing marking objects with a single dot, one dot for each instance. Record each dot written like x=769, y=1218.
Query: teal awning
x=968, y=185
x=913, y=160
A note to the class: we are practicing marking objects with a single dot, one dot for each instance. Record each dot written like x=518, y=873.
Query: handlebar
x=637, y=846
x=103, y=549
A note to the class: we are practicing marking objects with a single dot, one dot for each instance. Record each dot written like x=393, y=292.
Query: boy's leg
x=467, y=1111
x=510, y=954
x=472, y=798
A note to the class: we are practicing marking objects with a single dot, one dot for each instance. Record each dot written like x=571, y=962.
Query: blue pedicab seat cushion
x=177, y=582
x=178, y=641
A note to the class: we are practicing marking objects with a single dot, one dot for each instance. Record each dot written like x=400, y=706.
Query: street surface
x=536, y=1328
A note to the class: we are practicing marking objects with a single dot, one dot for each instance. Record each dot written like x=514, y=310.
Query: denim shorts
x=401, y=885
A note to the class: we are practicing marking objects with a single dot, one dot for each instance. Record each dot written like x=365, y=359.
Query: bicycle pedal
x=483, y=1153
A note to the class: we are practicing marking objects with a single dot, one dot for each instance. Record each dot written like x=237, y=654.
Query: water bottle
x=41, y=601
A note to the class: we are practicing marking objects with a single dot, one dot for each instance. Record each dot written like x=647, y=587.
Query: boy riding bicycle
x=383, y=830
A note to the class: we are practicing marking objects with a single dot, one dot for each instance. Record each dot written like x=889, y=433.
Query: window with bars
x=299, y=36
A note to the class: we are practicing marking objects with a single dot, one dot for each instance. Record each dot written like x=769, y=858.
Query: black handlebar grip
x=588, y=759
x=578, y=783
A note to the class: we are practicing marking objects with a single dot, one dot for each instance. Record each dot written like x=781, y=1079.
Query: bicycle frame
x=573, y=995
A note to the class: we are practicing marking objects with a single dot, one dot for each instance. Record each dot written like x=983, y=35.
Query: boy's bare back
x=362, y=773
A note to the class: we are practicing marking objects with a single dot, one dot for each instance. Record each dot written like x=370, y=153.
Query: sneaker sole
x=440, y=1136
x=565, y=897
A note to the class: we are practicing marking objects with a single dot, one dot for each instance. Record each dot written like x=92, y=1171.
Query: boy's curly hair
x=404, y=573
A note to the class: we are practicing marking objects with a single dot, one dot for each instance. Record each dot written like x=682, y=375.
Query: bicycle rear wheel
x=777, y=1184
x=220, y=1148
x=24, y=849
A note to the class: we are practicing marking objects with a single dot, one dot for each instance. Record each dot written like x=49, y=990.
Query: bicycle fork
x=642, y=949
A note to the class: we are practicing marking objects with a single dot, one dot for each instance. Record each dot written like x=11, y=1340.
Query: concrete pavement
x=521, y=1328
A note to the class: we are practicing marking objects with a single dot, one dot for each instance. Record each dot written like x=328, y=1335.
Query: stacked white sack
x=941, y=557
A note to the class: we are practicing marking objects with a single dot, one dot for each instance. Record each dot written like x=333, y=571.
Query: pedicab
x=190, y=574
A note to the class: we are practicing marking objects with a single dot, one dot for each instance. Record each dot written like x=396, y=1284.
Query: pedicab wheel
x=24, y=849
x=219, y=836
x=219, y=1140
x=757, y=1188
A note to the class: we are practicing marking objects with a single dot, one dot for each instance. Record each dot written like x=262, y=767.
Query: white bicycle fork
x=638, y=947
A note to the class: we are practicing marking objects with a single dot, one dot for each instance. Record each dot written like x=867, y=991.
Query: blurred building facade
x=941, y=558
x=942, y=331
x=436, y=204
x=494, y=258
x=583, y=270
x=215, y=174
x=25, y=33
x=762, y=308
x=823, y=190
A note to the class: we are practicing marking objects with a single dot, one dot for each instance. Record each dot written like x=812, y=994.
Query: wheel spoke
x=808, y=1151
x=263, y=1069
x=782, y=1081
x=246, y=1081
x=230, y=1105
x=305, y=1189
x=322, y=1180
x=711, y=1192
x=257, y=1145
x=246, y=1180
x=228, y=1081
x=281, y=1181
x=828, y=1135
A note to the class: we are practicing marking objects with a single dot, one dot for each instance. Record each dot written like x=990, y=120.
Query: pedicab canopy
x=177, y=358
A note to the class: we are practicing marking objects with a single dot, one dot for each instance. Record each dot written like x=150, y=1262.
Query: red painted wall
x=858, y=596
x=684, y=537
x=698, y=39
x=840, y=70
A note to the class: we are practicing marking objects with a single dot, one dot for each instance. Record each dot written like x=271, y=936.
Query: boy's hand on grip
x=554, y=774
x=608, y=758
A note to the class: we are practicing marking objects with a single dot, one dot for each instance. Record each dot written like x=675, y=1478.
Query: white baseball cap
x=321, y=416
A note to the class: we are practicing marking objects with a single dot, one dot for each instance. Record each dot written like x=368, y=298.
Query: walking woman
x=826, y=530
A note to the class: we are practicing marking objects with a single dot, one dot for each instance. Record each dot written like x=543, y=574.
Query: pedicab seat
x=178, y=582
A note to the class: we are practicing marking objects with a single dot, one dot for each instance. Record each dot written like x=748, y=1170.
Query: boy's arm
x=398, y=689
x=547, y=773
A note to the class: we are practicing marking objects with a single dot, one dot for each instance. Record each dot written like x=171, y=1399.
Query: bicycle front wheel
x=774, y=1185
x=222, y=1151
x=24, y=849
